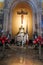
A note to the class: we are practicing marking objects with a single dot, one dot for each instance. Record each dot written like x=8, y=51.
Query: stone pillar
x=38, y=23
x=6, y=18
x=33, y=22
x=10, y=22
x=39, y=27
x=40, y=30
x=36, y=26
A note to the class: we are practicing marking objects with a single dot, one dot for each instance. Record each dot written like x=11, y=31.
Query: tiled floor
x=21, y=56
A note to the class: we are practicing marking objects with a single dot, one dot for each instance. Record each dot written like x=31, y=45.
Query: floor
x=20, y=56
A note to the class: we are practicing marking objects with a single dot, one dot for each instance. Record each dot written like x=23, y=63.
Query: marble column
x=40, y=30
x=6, y=18
x=10, y=22
x=38, y=23
x=33, y=22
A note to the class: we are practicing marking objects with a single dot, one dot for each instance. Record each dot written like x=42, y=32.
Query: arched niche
x=27, y=19
x=13, y=5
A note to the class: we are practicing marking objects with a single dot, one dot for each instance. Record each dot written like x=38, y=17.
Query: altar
x=22, y=37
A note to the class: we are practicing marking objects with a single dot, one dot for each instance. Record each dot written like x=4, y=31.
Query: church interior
x=21, y=32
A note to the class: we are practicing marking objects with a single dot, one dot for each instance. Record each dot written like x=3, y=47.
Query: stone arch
x=30, y=2
x=31, y=5
x=13, y=4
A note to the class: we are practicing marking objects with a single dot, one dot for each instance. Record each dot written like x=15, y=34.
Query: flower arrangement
x=37, y=40
x=4, y=39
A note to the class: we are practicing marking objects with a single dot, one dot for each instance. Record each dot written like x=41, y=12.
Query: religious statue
x=21, y=35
